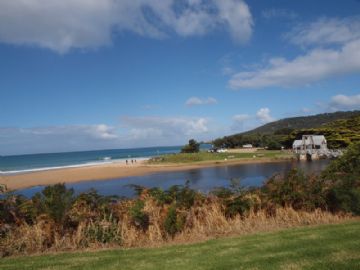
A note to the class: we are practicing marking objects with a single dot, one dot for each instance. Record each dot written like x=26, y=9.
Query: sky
x=87, y=74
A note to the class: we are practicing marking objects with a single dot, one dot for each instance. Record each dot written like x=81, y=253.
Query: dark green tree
x=139, y=217
x=273, y=145
x=55, y=201
x=192, y=147
x=171, y=223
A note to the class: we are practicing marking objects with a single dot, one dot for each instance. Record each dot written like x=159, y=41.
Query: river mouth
x=199, y=179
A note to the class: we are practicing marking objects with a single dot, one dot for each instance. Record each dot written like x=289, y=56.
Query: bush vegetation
x=56, y=219
x=192, y=147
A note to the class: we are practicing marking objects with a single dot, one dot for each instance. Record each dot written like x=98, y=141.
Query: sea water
x=37, y=162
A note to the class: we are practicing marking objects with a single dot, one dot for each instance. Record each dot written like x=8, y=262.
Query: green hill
x=340, y=129
x=302, y=122
x=339, y=133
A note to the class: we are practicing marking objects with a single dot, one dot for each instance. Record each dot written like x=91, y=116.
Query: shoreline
x=111, y=171
x=80, y=165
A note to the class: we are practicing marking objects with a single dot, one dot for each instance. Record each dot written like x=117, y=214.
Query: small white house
x=247, y=146
x=310, y=142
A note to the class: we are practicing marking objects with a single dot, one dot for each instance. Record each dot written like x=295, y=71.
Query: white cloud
x=335, y=52
x=57, y=139
x=264, y=115
x=279, y=13
x=194, y=101
x=102, y=132
x=167, y=128
x=227, y=71
x=132, y=132
x=236, y=14
x=241, y=117
x=343, y=102
x=63, y=25
x=326, y=31
x=238, y=121
x=315, y=65
x=243, y=122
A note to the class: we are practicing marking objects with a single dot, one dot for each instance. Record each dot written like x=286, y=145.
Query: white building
x=309, y=143
x=297, y=145
x=247, y=146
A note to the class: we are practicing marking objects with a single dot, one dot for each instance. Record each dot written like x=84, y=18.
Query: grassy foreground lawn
x=205, y=156
x=322, y=247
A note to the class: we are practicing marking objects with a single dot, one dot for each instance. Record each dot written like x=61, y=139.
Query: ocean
x=37, y=162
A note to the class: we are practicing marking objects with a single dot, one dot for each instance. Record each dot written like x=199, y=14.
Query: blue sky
x=81, y=75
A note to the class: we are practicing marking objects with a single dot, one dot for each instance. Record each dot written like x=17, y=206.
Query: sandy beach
x=108, y=171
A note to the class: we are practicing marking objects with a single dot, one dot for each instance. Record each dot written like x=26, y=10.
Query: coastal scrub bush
x=55, y=201
x=348, y=164
x=183, y=196
x=92, y=207
x=27, y=210
x=222, y=192
x=343, y=197
x=162, y=197
x=10, y=209
x=296, y=190
x=343, y=179
x=105, y=231
x=170, y=223
x=139, y=218
x=234, y=198
x=238, y=205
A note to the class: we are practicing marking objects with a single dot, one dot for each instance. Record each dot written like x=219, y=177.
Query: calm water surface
x=202, y=179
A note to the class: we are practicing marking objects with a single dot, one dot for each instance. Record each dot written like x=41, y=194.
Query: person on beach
x=126, y=162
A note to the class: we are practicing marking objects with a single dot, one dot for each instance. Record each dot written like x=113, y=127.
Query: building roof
x=317, y=139
x=297, y=143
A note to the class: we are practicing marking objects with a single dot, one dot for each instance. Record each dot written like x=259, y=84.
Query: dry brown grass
x=209, y=222
x=203, y=221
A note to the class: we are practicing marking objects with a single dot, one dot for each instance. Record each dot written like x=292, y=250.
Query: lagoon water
x=201, y=179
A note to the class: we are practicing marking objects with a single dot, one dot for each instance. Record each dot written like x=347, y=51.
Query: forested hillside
x=339, y=133
x=302, y=122
x=339, y=128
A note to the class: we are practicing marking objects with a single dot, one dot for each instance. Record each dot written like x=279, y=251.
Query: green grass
x=205, y=156
x=322, y=247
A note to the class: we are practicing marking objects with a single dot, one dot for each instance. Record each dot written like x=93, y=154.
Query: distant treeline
x=339, y=134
